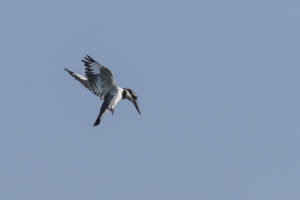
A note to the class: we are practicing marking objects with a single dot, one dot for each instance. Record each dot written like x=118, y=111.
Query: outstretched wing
x=82, y=79
x=100, y=78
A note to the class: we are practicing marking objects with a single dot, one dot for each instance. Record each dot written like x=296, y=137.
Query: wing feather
x=98, y=79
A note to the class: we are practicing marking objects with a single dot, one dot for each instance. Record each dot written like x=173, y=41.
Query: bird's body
x=116, y=96
x=99, y=80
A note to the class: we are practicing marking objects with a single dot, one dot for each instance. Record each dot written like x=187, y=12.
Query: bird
x=100, y=81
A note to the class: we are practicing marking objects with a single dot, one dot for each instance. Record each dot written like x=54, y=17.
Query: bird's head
x=131, y=96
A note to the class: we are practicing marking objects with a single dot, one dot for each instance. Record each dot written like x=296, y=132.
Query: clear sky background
x=218, y=87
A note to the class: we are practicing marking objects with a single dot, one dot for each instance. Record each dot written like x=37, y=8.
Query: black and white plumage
x=99, y=80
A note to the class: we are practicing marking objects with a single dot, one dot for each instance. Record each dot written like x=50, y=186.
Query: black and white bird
x=99, y=80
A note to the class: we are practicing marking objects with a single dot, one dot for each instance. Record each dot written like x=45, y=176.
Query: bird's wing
x=100, y=78
x=82, y=79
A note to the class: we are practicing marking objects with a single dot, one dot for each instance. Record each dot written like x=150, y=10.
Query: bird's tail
x=97, y=122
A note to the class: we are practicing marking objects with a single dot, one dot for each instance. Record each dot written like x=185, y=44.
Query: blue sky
x=218, y=87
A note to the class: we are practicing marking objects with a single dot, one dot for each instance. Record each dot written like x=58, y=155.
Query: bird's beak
x=136, y=106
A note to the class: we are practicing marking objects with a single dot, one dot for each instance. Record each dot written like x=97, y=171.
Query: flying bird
x=100, y=81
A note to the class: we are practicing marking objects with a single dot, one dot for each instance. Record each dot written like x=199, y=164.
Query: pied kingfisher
x=99, y=80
